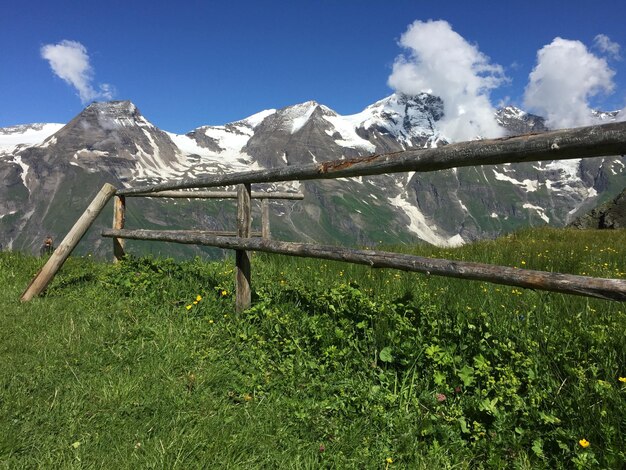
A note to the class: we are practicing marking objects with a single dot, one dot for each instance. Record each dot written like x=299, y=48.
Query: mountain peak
x=517, y=121
x=257, y=118
x=124, y=106
x=605, y=115
x=293, y=118
x=114, y=114
x=511, y=111
x=308, y=104
x=408, y=118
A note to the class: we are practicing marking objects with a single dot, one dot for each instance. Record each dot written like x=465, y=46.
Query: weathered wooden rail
x=585, y=142
x=611, y=289
x=119, y=210
x=219, y=195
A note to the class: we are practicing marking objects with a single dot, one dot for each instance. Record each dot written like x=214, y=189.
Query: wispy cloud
x=442, y=62
x=604, y=44
x=563, y=82
x=69, y=61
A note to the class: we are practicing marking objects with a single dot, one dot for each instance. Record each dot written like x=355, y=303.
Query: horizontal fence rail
x=609, y=289
x=119, y=210
x=584, y=142
x=220, y=195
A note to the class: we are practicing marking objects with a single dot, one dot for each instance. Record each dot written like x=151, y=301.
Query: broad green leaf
x=385, y=354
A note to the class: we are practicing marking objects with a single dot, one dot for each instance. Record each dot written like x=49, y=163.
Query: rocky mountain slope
x=610, y=215
x=50, y=172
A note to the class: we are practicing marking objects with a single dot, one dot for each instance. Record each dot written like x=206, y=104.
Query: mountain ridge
x=114, y=142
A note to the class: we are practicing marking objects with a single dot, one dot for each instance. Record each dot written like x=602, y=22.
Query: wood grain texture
x=119, y=220
x=243, y=294
x=265, y=219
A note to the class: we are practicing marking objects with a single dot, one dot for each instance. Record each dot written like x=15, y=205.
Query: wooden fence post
x=45, y=275
x=265, y=219
x=119, y=219
x=242, y=258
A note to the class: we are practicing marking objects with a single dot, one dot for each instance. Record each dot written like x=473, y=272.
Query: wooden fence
x=41, y=280
x=119, y=210
x=585, y=142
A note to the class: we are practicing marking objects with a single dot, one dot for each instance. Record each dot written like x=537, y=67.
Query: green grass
x=334, y=366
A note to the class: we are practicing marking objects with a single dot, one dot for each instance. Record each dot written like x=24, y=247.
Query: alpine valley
x=50, y=172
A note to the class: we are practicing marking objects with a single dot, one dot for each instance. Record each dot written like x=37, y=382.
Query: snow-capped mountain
x=50, y=171
x=517, y=121
x=15, y=137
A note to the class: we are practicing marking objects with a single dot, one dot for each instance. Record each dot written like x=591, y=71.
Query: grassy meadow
x=144, y=364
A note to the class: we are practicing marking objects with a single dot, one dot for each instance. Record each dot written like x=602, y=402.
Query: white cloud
x=564, y=80
x=69, y=61
x=443, y=63
x=604, y=44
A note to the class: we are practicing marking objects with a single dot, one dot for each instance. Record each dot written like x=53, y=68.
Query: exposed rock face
x=50, y=172
x=298, y=134
x=610, y=215
x=517, y=121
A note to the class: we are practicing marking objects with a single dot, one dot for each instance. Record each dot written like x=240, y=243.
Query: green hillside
x=144, y=364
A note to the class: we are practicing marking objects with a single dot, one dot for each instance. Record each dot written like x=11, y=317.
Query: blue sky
x=192, y=63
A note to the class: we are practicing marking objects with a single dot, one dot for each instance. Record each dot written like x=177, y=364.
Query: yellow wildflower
x=224, y=293
x=188, y=307
x=389, y=460
x=198, y=298
x=622, y=379
x=584, y=443
x=195, y=302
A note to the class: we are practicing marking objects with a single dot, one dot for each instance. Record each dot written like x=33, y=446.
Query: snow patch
x=299, y=115
x=186, y=144
x=541, y=212
x=18, y=161
x=570, y=169
x=231, y=138
x=529, y=185
x=8, y=213
x=349, y=138
x=84, y=153
x=27, y=135
x=258, y=118
x=48, y=142
x=455, y=241
x=419, y=225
